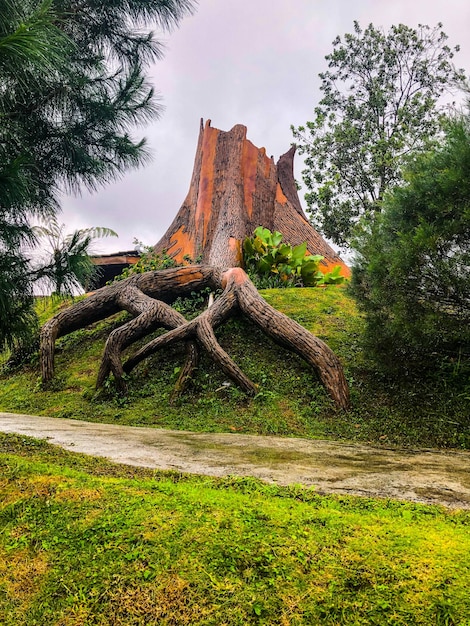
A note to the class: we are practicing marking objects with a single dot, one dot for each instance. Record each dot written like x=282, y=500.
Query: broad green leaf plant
x=270, y=262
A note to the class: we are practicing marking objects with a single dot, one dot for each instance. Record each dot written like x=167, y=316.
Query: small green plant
x=272, y=263
x=332, y=278
x=67, y=265
x=148, y=262
x=192, y=305
x=151, y=261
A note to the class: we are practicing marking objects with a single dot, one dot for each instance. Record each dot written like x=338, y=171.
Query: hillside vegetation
x=433, y=410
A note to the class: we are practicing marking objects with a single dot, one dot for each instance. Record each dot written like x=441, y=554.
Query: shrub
x=412, y=275
x=272, y=263
x=148, y=262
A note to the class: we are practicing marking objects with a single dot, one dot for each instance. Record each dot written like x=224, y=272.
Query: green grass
x=85, y=542
x=291, y=402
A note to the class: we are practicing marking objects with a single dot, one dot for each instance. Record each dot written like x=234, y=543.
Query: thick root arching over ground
x=147, y=298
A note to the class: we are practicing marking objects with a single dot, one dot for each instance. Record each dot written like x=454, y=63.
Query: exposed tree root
x=147, y=297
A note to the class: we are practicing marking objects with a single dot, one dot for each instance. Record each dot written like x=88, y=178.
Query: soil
x=419, y=475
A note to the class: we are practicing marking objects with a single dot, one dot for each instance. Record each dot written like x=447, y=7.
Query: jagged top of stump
x=235, y=187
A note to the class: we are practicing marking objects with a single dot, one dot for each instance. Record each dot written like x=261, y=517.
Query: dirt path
x=429, y=476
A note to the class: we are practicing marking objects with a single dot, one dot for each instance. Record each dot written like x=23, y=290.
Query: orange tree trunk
x=236, y=187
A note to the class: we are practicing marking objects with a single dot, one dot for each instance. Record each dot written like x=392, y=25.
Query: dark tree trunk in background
x=234, y=189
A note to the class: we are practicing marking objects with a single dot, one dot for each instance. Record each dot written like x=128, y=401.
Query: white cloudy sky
x=254, y=62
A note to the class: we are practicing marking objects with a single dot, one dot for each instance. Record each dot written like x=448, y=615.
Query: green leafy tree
x=72, y=88
x=67, y=266
x=412, y=274
x=380, y=103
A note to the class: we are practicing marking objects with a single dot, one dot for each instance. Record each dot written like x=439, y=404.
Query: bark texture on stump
x=235, y=187
x=147, y=297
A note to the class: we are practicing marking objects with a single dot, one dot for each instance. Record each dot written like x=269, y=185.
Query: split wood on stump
x=147, y=297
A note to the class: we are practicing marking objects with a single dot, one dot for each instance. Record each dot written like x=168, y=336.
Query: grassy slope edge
x=429, y=412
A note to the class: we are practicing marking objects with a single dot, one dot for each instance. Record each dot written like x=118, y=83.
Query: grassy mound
x=87, y=542
x=399, y=411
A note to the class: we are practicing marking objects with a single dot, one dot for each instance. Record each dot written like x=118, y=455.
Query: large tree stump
x=147, y=297
x=235, y=187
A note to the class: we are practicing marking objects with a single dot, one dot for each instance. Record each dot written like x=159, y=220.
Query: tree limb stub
x=148, y=297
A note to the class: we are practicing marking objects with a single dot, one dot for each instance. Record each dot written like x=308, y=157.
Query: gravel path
x=429, y=476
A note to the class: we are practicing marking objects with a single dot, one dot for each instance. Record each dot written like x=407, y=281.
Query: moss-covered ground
x=87, y=543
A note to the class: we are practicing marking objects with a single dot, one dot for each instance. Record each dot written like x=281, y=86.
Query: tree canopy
x=73, y=86
x=381, y=102
x=412, y=275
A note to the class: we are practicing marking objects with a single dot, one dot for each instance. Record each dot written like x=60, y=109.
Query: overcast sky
x=251, y=62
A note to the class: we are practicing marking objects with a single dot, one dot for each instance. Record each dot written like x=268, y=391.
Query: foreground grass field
x=403, y=411
x=84, y=542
